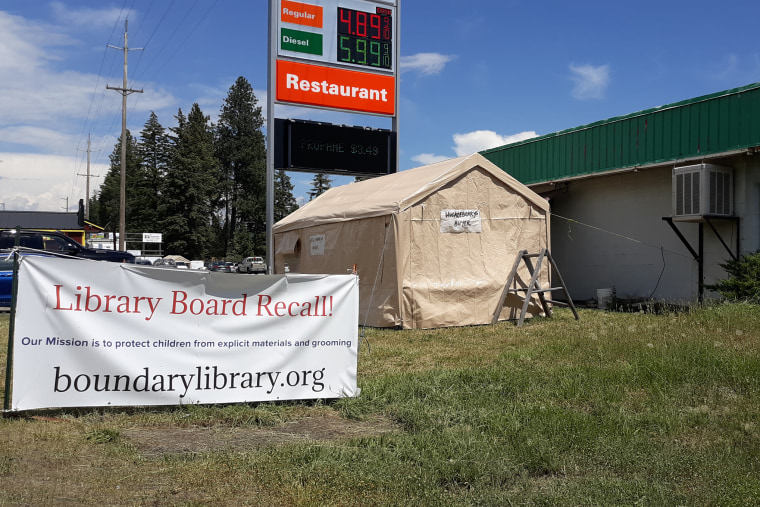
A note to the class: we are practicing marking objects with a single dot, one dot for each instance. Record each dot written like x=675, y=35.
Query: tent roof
x=177, y=258
x=395, y=192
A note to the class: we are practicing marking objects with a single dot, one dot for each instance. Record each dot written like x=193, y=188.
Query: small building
x=433, y=246
x=650, y=203
x=68, y=223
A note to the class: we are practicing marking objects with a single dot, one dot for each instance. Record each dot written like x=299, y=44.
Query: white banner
x=317, y=244
x=460, y=220
x=91, y=333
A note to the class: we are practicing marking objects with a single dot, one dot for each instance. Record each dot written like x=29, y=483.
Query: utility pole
x=124, y=92
x=88, y=176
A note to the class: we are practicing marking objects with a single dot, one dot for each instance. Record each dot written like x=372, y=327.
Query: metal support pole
x=701, y=262
x=12, y=326
x=271, y=90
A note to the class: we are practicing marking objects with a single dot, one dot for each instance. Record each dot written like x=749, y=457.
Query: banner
x=91, y=333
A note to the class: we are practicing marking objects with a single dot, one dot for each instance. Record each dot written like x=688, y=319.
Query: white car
x=252, y=265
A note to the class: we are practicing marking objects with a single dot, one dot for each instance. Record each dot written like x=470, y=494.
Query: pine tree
x=191, y=188
x=241, y=151
x=155, y=150
x=109, y=197
x=284, y=202
x=242, y=243
x=319, y=185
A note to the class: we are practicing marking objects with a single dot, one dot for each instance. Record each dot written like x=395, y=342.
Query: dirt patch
x=160, y=441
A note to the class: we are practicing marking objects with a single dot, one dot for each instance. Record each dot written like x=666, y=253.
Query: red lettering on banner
x=91, y=302
x=267, y=308
x=210, y=306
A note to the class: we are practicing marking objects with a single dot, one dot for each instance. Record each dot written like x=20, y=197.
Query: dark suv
x=57, y=242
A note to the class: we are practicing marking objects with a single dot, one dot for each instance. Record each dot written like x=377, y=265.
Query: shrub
x=743, y=283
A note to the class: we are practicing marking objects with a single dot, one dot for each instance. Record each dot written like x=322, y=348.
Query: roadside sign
x=321, y=86
x=334, y=149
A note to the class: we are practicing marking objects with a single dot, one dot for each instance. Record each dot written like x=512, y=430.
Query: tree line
x=202, y=185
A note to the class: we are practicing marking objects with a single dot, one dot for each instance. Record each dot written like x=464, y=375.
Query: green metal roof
x=708, y=125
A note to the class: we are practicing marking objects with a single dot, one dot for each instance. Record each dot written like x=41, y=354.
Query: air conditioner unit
x=702, y=190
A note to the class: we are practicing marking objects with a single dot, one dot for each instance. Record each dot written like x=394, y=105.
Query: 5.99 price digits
x=364, y=52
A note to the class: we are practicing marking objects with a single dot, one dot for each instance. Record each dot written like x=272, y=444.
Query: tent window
x=288, y=243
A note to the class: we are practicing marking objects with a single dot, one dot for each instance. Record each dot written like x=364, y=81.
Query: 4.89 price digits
x=364, y=24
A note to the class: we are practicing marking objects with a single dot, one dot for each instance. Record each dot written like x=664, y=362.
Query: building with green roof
x=650, y=203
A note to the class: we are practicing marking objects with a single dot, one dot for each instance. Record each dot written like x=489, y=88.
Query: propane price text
x=358, y=149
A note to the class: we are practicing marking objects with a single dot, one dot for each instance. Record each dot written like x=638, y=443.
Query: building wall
x=608, y=231
x=747, y=199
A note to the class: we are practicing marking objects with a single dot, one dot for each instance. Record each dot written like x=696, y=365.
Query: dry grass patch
x=157, y=442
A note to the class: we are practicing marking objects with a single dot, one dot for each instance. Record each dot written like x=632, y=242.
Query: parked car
x=6, y=277
x=252, y=265
x=6, y=281
x=57, y=242
x=221, y=266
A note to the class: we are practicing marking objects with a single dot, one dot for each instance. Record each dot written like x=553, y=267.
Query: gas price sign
x=349, y=33
x=365, y=38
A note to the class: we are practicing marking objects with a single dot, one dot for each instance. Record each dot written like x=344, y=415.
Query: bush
x=743, y=283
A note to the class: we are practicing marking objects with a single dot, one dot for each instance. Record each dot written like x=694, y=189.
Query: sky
x=473, y=75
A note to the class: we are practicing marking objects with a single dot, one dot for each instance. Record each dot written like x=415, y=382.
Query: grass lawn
x=614, y=409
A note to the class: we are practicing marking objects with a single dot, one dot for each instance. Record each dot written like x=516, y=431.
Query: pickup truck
x=57, y=242
x=252, y=265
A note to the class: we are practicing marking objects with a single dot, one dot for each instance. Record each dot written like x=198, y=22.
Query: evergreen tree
x=319, y=185
x=242, y=243
x=191, y=188
x=109, y=197
x=155, y=151
x=284, y=202
x=241, y=151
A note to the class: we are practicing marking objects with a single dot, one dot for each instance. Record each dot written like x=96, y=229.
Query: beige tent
x=433, y=246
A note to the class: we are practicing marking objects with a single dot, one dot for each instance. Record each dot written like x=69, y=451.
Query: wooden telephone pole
x=124, y=92
x=88, y=176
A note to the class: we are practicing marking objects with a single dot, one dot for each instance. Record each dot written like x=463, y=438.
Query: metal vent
x=687, y=193
x=720, y=193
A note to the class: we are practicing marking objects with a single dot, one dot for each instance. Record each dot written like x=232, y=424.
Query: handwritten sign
x=460, y=221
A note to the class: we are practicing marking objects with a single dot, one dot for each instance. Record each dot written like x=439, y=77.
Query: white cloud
x=39, y=138
x=590, y=82
x=473, y=142
x=91, y=18
x=427, y=63
x=480, y=140
x=429, y=158
x=44, y=109
x=48, y=185
x=24, y=45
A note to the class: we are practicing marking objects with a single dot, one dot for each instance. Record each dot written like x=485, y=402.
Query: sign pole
x=397, y=49
x=271, y=86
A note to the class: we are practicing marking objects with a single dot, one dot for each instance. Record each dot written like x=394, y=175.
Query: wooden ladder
x=532, y=288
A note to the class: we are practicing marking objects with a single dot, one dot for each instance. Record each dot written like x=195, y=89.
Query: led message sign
x=334, y=149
